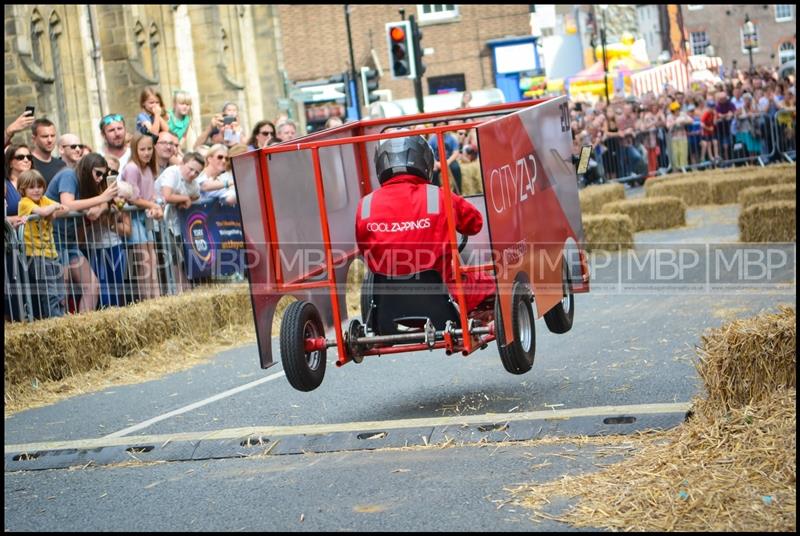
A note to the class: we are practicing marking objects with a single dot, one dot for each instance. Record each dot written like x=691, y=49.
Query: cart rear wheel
x=304, y=370
x=559, y=318
x=517, y=357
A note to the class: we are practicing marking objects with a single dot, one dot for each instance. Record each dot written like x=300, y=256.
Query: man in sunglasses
x=44, y=141
x=71, y=149
x=112, y=127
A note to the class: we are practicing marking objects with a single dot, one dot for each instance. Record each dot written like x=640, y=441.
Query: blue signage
x=213, y=241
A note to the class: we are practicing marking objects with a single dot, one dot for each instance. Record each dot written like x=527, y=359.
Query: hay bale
x=593, y=197
x=651, y=212
x=746, y=360
x=55, y=348
x=768, y=222
x=761, y=194
x=471, y=178
x=783, y=172
x=725, y=191
x=730, y=474
x=610, y=232
x=694, y=192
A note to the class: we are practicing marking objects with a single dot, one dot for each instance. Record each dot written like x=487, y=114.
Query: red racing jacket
x=401, y=229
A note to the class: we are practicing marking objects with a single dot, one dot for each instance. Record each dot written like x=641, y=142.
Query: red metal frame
x=360, y=140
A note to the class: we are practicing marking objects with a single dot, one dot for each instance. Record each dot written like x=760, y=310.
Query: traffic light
x=416, y=48
x=369, y=83
x=344, y=80
x=401, y=49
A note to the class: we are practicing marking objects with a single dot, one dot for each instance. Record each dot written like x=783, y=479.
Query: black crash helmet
x=410, y=155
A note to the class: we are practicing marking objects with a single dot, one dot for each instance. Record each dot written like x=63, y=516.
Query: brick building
x=314, y=41
x=722, y=27
x=76, y=63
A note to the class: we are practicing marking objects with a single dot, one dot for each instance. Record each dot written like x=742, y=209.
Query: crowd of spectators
x=147, y=167
x=714, y=123
x=151, y=166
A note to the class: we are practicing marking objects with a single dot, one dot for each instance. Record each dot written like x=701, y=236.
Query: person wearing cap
x=677, y=122
x=401, y=228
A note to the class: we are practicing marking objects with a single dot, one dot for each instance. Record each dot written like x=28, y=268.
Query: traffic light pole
x=418, y=68
x=355, y=102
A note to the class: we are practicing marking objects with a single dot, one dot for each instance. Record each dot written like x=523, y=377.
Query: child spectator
x=140, y=173
x=180, y=117
x=177, y=186
x=40, y=252
x=151, y=119
x=708, y=122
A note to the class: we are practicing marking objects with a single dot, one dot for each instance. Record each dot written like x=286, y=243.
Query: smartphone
x=111, y=177
x=228, y=119
x=30, y=109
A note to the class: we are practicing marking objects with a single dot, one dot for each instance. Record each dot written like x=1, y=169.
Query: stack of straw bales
x=725, y=191
x=773, y=221
x=608, y=232
x=731, y=467
x=651, y=212
x=761, y=194
x=718, y=186
x=55, y=348
x=745, y=361
x=694, y=192
x=594, y=197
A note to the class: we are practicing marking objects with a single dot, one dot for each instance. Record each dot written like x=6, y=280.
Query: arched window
x=786, y=52
x=155, y=40
x=56, y=29
x=37, y=29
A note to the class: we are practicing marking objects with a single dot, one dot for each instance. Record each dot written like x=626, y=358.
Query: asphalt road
x=632, y=344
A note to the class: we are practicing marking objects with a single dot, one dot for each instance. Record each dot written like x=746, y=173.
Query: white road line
x=190, y=407
x=321, y=429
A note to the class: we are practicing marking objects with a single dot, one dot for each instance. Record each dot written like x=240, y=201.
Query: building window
x=446, y=84
x=437, y=12
x=699, y=41
x=786, y=52
x=694, y=7
x=784, y=12
x=744, y=41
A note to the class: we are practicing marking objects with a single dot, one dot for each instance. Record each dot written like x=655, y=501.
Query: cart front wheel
x=559, y=318
x=517, y=357
x=304, y=370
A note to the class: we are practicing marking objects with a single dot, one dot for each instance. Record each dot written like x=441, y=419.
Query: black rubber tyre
x=366, y=298
x=518, y=356
x=559, y=318
x=304, y=370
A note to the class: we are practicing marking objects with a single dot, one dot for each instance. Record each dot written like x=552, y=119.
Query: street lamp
x=603, y=8
x=750, y=38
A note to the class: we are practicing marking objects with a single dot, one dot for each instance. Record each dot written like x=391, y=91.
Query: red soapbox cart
x=298, y=202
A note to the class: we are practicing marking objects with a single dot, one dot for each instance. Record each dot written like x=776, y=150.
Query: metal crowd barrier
x=785, y=130
x=759, y=139
x=36, y=289
x=119, y=275
x=16, y=296
x=634, y=157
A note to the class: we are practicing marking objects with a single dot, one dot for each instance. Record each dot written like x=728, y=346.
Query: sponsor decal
x=398, y=226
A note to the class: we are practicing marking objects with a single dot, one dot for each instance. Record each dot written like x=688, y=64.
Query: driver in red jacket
x=401, y=228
